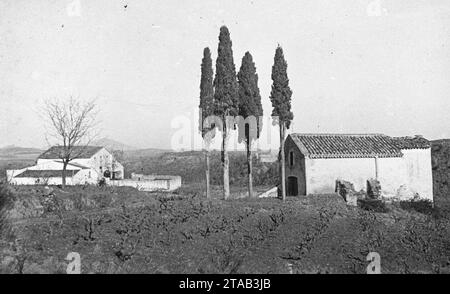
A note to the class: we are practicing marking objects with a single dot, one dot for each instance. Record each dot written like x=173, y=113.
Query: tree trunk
x=225, y=164
x=283, y=176
x=63, y=176
x=249, y=168
x=208, y=192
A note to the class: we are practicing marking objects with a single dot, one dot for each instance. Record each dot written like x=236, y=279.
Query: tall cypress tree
x=249, y=107
x=207, y=108
x=225, y=97
x=280, y=96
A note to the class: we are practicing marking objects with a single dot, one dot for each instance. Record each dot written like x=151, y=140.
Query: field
x=122, y=230
x=126, y=231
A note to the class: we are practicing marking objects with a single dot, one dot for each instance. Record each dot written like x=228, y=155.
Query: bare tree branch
x=72, y=124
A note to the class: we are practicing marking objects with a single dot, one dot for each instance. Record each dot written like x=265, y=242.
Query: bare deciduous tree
x=72, y=124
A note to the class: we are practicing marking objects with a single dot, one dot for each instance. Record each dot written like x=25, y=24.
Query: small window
x=291, y=158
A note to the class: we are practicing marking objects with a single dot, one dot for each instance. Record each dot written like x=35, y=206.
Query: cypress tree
x=207, y=108
x=249, y=107
x=225, y=97
x=280, y=96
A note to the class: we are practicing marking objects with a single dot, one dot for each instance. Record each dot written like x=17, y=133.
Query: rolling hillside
x=190, y=166
x=14, y=152
x=112, y=144
x=13, y=157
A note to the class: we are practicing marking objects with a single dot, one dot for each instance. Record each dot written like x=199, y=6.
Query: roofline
x=101, y=147
x=71, y=172
x=417, y=148
x=93, y=146
x=302, y=148
x=72, y=163
x=339, y=134
x=338, y=156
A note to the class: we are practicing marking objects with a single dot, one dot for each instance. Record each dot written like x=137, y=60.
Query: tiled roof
x=416, y=142
x=56, y=152
x=353, y=145
x=46, y=173
x=73, y=164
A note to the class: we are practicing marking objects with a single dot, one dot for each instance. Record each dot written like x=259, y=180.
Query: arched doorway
x=292, y=186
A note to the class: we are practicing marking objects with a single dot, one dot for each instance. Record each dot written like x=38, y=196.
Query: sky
x=362, y=66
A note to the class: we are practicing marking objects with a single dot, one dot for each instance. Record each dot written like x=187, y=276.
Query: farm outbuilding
x=150, y=182
x=91, y=164
x=75, y=174
x=402, y=165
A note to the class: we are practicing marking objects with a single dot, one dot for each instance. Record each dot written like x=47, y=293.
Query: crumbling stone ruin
x=373, y=189
x=347, y=191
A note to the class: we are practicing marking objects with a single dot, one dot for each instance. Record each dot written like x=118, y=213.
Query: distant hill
x=112, y=144
x=190, y=166
x=147, y=152
x=14, y=152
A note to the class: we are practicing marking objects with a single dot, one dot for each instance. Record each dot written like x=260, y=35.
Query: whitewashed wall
x=155, y=184
x=419, y=171
x=411, y=173
x=41, y=181
x=104, y=159
x=321, y=174
x=86, y=176
x=392, y=175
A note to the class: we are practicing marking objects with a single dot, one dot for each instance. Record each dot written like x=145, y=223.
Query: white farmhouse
x=92, y=164
x=402, y=165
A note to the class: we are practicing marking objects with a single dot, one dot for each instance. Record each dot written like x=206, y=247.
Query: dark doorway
x=292, y=186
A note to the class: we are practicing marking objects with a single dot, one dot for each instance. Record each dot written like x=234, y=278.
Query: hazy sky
x=354, y=66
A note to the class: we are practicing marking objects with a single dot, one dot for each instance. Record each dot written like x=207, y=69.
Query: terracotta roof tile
x=355, y=145
x=417, y=142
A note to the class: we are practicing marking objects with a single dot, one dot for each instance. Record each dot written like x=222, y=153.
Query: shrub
x=442, y=210
x=424, y=206
x=102, y=183
x=6, y=202
x=373, y=205
x=103, y=201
